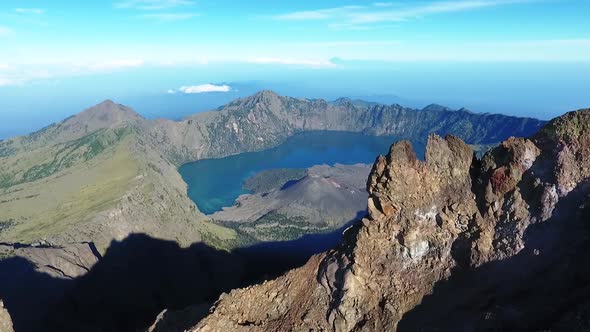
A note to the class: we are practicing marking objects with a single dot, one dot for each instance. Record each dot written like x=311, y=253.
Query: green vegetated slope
x=98, y=186
x=48, y=189
x=107, y=172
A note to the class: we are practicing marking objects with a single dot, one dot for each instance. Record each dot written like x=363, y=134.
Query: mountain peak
x=264, y=97
x=107, y=102
x=108, y=105
x=106, y=114
x=436, y=107
x=342, y=101
x=266, y=93
x=110, y=111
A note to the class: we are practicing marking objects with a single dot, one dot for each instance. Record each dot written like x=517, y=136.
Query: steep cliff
x=450, y=243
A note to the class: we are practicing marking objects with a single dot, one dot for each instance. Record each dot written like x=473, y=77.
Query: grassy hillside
x=99, y=187
x=43, y=162
x=48, y=190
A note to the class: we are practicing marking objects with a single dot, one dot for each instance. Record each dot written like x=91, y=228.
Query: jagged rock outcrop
x=5, y=321
x=450, y=243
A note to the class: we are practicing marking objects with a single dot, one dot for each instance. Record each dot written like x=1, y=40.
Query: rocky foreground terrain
x=451, y=243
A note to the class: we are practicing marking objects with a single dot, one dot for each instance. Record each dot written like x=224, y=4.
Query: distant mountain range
x=108, y=172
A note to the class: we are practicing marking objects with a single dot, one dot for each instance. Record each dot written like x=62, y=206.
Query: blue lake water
x=216, y=183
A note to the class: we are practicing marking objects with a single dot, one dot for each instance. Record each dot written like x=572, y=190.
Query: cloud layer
x=159, y=9
x=170, y=16
x=292, y=61
x=359, y=17
x=37, y=11
x=152, y=4
x=203, y=88
x=4, y=31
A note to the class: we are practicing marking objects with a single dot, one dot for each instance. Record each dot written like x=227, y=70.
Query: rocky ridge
x=266, y=119
x=450, y=243
x=65, y=171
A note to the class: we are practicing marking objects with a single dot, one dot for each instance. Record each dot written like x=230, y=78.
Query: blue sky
x=526, y=57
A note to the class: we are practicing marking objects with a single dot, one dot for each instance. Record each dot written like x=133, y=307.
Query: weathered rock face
x=449, y=243
x=5, y=321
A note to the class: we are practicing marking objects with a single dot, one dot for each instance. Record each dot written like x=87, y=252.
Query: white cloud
x=21, y=73
x=4, y=31
x=359, y=27
x=399, y=15
x=41, y=64
x=171, y=16
x=11, y=76
x=108, y=65
x=204, y=88
x=358, y=17
x=37, y=11
x=6, y=82
x=152, y=4
x=549, y=50
x=170, y=91
x=347, y=43
x=318, y=14
x=382, y=4
x=291, y=61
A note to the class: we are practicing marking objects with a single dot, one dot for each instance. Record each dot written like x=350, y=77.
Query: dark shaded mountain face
x=74, y=288
x=449, y=243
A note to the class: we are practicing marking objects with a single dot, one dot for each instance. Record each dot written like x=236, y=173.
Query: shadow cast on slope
x=26, y=292
x=529, y=291
x=135, y=280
